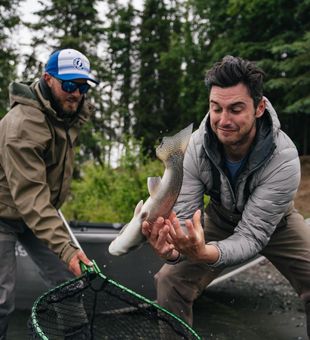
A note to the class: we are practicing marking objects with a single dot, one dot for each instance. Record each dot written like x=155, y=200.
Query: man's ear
x=260, y=108
x=47, y=77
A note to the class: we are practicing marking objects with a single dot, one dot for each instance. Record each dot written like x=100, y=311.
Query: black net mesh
x=94, y=307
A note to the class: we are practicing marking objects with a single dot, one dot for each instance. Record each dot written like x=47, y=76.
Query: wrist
x=174, y=258
x=174, y=255
x=211, y=254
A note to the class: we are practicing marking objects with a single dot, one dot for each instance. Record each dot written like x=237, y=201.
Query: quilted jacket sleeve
x=276, y=186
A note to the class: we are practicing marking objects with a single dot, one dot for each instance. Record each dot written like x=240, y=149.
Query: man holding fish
x=250, y=169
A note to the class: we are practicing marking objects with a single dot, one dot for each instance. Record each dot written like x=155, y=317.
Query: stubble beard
x=70, y=103
x=245, y=140
x=68, y=106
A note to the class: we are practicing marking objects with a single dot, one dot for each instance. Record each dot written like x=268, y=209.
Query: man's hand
x=158, y=237
x=193, y=244
x=74, y=264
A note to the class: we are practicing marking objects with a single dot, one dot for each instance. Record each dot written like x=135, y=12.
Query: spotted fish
x=163, y=192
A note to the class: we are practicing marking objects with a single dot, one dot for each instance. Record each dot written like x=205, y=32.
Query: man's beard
x=62, y=112
x=55, y=103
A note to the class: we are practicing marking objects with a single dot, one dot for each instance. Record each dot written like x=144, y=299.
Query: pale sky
x=22, y=37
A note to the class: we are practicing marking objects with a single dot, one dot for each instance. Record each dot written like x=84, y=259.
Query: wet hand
x=193, y=244
x=74, y=264
x=158, y=237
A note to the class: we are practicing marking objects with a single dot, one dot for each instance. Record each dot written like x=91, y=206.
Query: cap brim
x=72, y=76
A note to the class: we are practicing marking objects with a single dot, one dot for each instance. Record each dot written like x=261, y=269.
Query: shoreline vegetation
x=110, y=195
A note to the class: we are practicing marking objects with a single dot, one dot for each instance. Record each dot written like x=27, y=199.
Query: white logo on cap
x=78, y=63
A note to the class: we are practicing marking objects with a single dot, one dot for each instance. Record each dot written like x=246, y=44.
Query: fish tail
x=130, y=237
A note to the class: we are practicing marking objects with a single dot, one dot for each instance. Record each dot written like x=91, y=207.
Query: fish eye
x=161, y=143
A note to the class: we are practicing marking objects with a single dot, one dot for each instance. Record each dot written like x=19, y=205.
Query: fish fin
x=153, y=184
x=138, y=208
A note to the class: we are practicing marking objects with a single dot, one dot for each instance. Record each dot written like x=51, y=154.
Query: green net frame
x=93, y=306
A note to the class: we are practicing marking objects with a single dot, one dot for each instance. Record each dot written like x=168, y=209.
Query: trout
x=163, y=193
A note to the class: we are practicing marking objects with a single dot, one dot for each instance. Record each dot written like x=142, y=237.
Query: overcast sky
x=22, y=37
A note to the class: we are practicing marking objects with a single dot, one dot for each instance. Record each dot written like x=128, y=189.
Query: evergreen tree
x=251, y=29
x=116, y=98
x=275, y=34
x=8, y=56
x=156, y=109
x=193, y=96
x=121, y=46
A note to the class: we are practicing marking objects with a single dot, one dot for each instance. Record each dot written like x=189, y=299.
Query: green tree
x=121, y=47
x=8, y=57
x=193, y=96
x=116, y=101
x=251, y=30
x=110, y=195
x=157, y=107
x=275, y=34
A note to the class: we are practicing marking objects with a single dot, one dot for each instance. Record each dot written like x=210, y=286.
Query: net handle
x=84, y=267
x=73, y=238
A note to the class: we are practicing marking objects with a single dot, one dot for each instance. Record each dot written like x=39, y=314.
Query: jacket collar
x=37, y=96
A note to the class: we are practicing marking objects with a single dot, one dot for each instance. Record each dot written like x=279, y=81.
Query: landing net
x=95, y=307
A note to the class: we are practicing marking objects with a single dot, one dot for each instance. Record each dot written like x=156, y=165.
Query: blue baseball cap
x=69, y=64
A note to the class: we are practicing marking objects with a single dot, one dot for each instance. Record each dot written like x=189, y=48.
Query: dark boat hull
x=134, y=270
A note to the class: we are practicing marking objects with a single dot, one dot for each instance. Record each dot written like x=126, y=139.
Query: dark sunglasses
x=71, y=86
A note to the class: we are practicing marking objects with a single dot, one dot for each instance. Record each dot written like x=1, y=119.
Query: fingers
x=162, y=237
x=74, y=264
x=146, y=229
x=197, y=219
x=179, y=238
x=169, y=238
x=194, y=227
x=155, y=233
x=158, y=236
x=156, y=227
x=177, y=230
x=166, y=235
x=164, y=248
x=172, y=216
x=82, y=257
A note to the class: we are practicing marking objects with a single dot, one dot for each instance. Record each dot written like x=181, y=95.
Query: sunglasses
x=71, y=86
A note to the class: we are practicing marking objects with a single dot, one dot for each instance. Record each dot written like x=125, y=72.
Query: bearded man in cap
x=37, y=139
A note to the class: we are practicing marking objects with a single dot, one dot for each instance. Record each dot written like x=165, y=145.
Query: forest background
x=151, y=65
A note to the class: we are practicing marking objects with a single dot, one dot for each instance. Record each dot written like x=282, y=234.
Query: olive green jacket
x=36, y=164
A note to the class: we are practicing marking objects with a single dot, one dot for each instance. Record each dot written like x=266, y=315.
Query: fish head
x=176, y=144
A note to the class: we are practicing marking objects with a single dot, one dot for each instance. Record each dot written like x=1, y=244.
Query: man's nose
x=225, y=117
x=76, y=93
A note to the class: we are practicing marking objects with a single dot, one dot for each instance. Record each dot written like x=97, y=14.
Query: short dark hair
x=231, y=71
